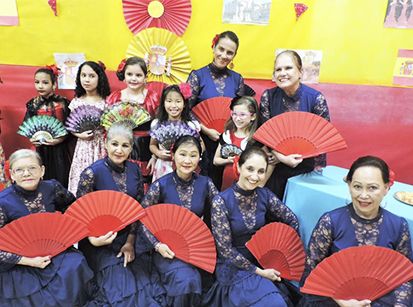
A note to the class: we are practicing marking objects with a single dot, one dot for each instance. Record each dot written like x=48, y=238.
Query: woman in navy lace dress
x=185, y=188
x=121, y=280
x=362, y=222
x=38, y=281
x=236, y=214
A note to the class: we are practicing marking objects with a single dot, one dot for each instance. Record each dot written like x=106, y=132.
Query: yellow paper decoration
x=155, y=9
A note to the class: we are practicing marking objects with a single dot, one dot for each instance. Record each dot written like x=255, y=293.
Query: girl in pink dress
x=92, y=88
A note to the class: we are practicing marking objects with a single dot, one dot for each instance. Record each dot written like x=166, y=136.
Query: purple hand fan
x=168, y=132
x=84, y=118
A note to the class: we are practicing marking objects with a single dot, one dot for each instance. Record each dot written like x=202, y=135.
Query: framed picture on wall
x=255, y=12
x=68, y=64
x=399, y=14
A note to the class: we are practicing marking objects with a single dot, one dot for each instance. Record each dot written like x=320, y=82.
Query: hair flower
x=54, y=69
x=185, y=89
x=215, y=40
x=121, y=65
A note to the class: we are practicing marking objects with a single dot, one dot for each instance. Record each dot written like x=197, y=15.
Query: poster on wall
x=399, y=14
x=403, y=69
x=8, y=13
x=68, y=64
x=311, y=64
x=256, y=12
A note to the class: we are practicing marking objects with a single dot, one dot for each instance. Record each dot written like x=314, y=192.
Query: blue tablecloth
x=311, y=195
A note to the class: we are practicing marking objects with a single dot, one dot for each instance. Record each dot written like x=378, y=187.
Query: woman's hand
x=85, y=135
x=163, y=154
x=353, y=303
x=103, y=240
x=291, y=160
x=151, y=165
x=35, y=262
x=128, y=253
x=212, y=134
x=36, y=143
x=54, y=141
x=270, y=274
x=164, y=250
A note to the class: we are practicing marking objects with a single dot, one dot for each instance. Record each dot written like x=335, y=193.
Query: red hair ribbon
x=121, y=65
x=101, y=64
x=215, y=40
x=392, y=177
x=185, y=89
x=235, y=166
x=54, y=69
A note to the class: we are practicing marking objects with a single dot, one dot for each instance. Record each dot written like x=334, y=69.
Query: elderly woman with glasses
x=38, y=281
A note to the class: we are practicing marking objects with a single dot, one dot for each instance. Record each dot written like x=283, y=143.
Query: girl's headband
x=54, y=69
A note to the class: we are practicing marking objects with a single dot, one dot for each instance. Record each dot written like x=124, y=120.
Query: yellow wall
x=356, y=47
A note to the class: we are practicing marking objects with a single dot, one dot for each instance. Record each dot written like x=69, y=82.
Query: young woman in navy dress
x=237, y=213
x=38, y=281
x=121, y=280
x=362, y=222
x=185, y=188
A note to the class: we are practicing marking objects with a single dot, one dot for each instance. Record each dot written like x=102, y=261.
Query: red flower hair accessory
x=101, y=64
x=54, y=69
x=392, y=177
x=121, y=65
x=215, y=40
x=185, y=89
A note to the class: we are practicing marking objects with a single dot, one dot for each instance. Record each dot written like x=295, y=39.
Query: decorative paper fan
x=167, y=133
x=279, y=247
x=42, y=128
x=41, y=234
x=184, y=232
x=84, y=118
x=53, y=4
x=300, y=133
x=104, y=211
x=156, y=87
x=213, y=112
x=172, y=15
x=299, y=8
x=230, y=150
x=362, y=272
x=165, y=54
x=126, y=112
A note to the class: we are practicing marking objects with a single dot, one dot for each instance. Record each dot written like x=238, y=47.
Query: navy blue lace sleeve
x=280, y=212
x=193, y=82
x=7, y=260
x=151, y=198
x=86, y=182
x=64, y=198
x=265, y=107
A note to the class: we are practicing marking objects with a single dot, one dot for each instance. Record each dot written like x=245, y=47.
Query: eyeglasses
x=21, y=170
x=240, y=115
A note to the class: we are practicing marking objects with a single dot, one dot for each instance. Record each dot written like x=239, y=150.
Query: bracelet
x=156, y=247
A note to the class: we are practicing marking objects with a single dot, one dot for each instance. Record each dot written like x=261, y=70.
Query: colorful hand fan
x=230, y=150
x=41, y=234
x=213, y=112
x=278, y=246
x=172, y=15
x=362, y=272
x=165, y=54
x=184, y=232
x=167, y=133
x=125, y=112
x=42, y=128
x=300, y=133
x=104, y=211
x=299, y=8
x=84, y=118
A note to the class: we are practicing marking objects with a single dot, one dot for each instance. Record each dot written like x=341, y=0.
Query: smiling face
x=367, y=190
x=252, y=172
x=186, y=159
x=224, y=52
x=119, y=149
x=174, y=105
x=89, y=79
x=26, y=173
x=43, y=84
x=135, y=77
x=286, y=73
x=242, y=117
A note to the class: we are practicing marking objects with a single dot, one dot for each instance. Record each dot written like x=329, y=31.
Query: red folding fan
x=300, y=133
x=279, y=247
x=41, y=234
x=172, y=15
x=156, y=87
x=104, y=211
x=362, y=272
x=213, y=112
x=184, y=232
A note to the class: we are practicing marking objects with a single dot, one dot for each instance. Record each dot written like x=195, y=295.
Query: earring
x=231, y=65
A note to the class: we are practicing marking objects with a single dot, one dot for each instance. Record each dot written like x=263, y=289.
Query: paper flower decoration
x=300, y=8
x=172, y=15
x=52, y=4
x=165, y=54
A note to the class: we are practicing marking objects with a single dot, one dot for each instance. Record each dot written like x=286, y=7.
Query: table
x=311, y=195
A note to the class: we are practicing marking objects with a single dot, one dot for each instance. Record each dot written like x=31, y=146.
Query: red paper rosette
x=172, y=15
x=300, y=8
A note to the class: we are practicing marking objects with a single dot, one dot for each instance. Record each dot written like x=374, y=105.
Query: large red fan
x=362, y=272
x=213, y=112
x=184, y=232
x=172, y=15
x=278, y=246
x=104, y=211
x=300, y=133
x=41, y=234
